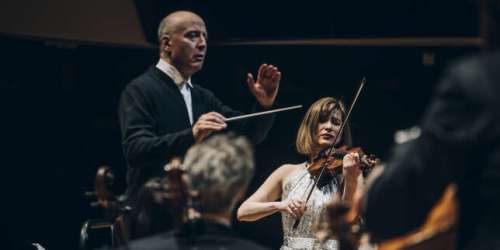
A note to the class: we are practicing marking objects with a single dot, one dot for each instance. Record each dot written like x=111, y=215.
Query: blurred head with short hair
x=220, y=169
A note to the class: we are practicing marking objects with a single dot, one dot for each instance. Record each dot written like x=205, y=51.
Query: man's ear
x=165, y=43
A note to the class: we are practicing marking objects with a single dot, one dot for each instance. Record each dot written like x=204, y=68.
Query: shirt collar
x=173, y=73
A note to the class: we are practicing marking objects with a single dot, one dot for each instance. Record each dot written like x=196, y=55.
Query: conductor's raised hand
x=208, y=123
x=265, y=87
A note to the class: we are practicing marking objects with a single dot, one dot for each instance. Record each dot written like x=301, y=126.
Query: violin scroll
x=182, y=201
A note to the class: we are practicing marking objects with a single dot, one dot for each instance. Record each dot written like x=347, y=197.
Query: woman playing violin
x=292, y=182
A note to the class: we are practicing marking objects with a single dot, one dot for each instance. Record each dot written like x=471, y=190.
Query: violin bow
x=331, y=150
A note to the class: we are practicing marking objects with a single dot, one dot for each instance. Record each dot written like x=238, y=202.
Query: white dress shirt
x=183, y=84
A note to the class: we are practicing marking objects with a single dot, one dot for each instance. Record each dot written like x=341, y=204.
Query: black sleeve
x=140, y=143
x=419, y=170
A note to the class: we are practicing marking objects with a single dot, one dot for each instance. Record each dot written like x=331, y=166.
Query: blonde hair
x=320, y=110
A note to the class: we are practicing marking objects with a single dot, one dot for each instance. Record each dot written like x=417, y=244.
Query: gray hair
x=219, y=169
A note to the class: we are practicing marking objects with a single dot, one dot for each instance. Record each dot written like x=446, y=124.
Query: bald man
x=162, y=113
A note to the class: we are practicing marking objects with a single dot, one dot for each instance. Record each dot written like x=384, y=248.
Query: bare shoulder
x=286, y=170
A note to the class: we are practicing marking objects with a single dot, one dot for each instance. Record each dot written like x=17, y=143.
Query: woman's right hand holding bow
x=292, y=206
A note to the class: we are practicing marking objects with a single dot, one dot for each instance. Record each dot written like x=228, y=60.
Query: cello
x=114, y=211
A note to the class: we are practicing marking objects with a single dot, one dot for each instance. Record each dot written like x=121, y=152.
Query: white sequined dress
x=302, y=237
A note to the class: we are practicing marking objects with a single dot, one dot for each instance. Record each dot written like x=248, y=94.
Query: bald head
x=183, y=41
x=176, y=21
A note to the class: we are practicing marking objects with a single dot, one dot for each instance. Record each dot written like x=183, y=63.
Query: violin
x=334, y=161
x=183, y=203
x=175, y=191
x=164, y=204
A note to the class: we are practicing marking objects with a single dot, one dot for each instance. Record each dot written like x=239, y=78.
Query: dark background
x=60, y=85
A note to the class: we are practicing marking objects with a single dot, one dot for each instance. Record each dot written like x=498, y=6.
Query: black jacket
x=214, y=236
x=460, y=143
x=155, y=125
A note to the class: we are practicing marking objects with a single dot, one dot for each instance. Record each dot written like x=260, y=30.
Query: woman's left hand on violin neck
x=352, y=175
x=350, y=166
